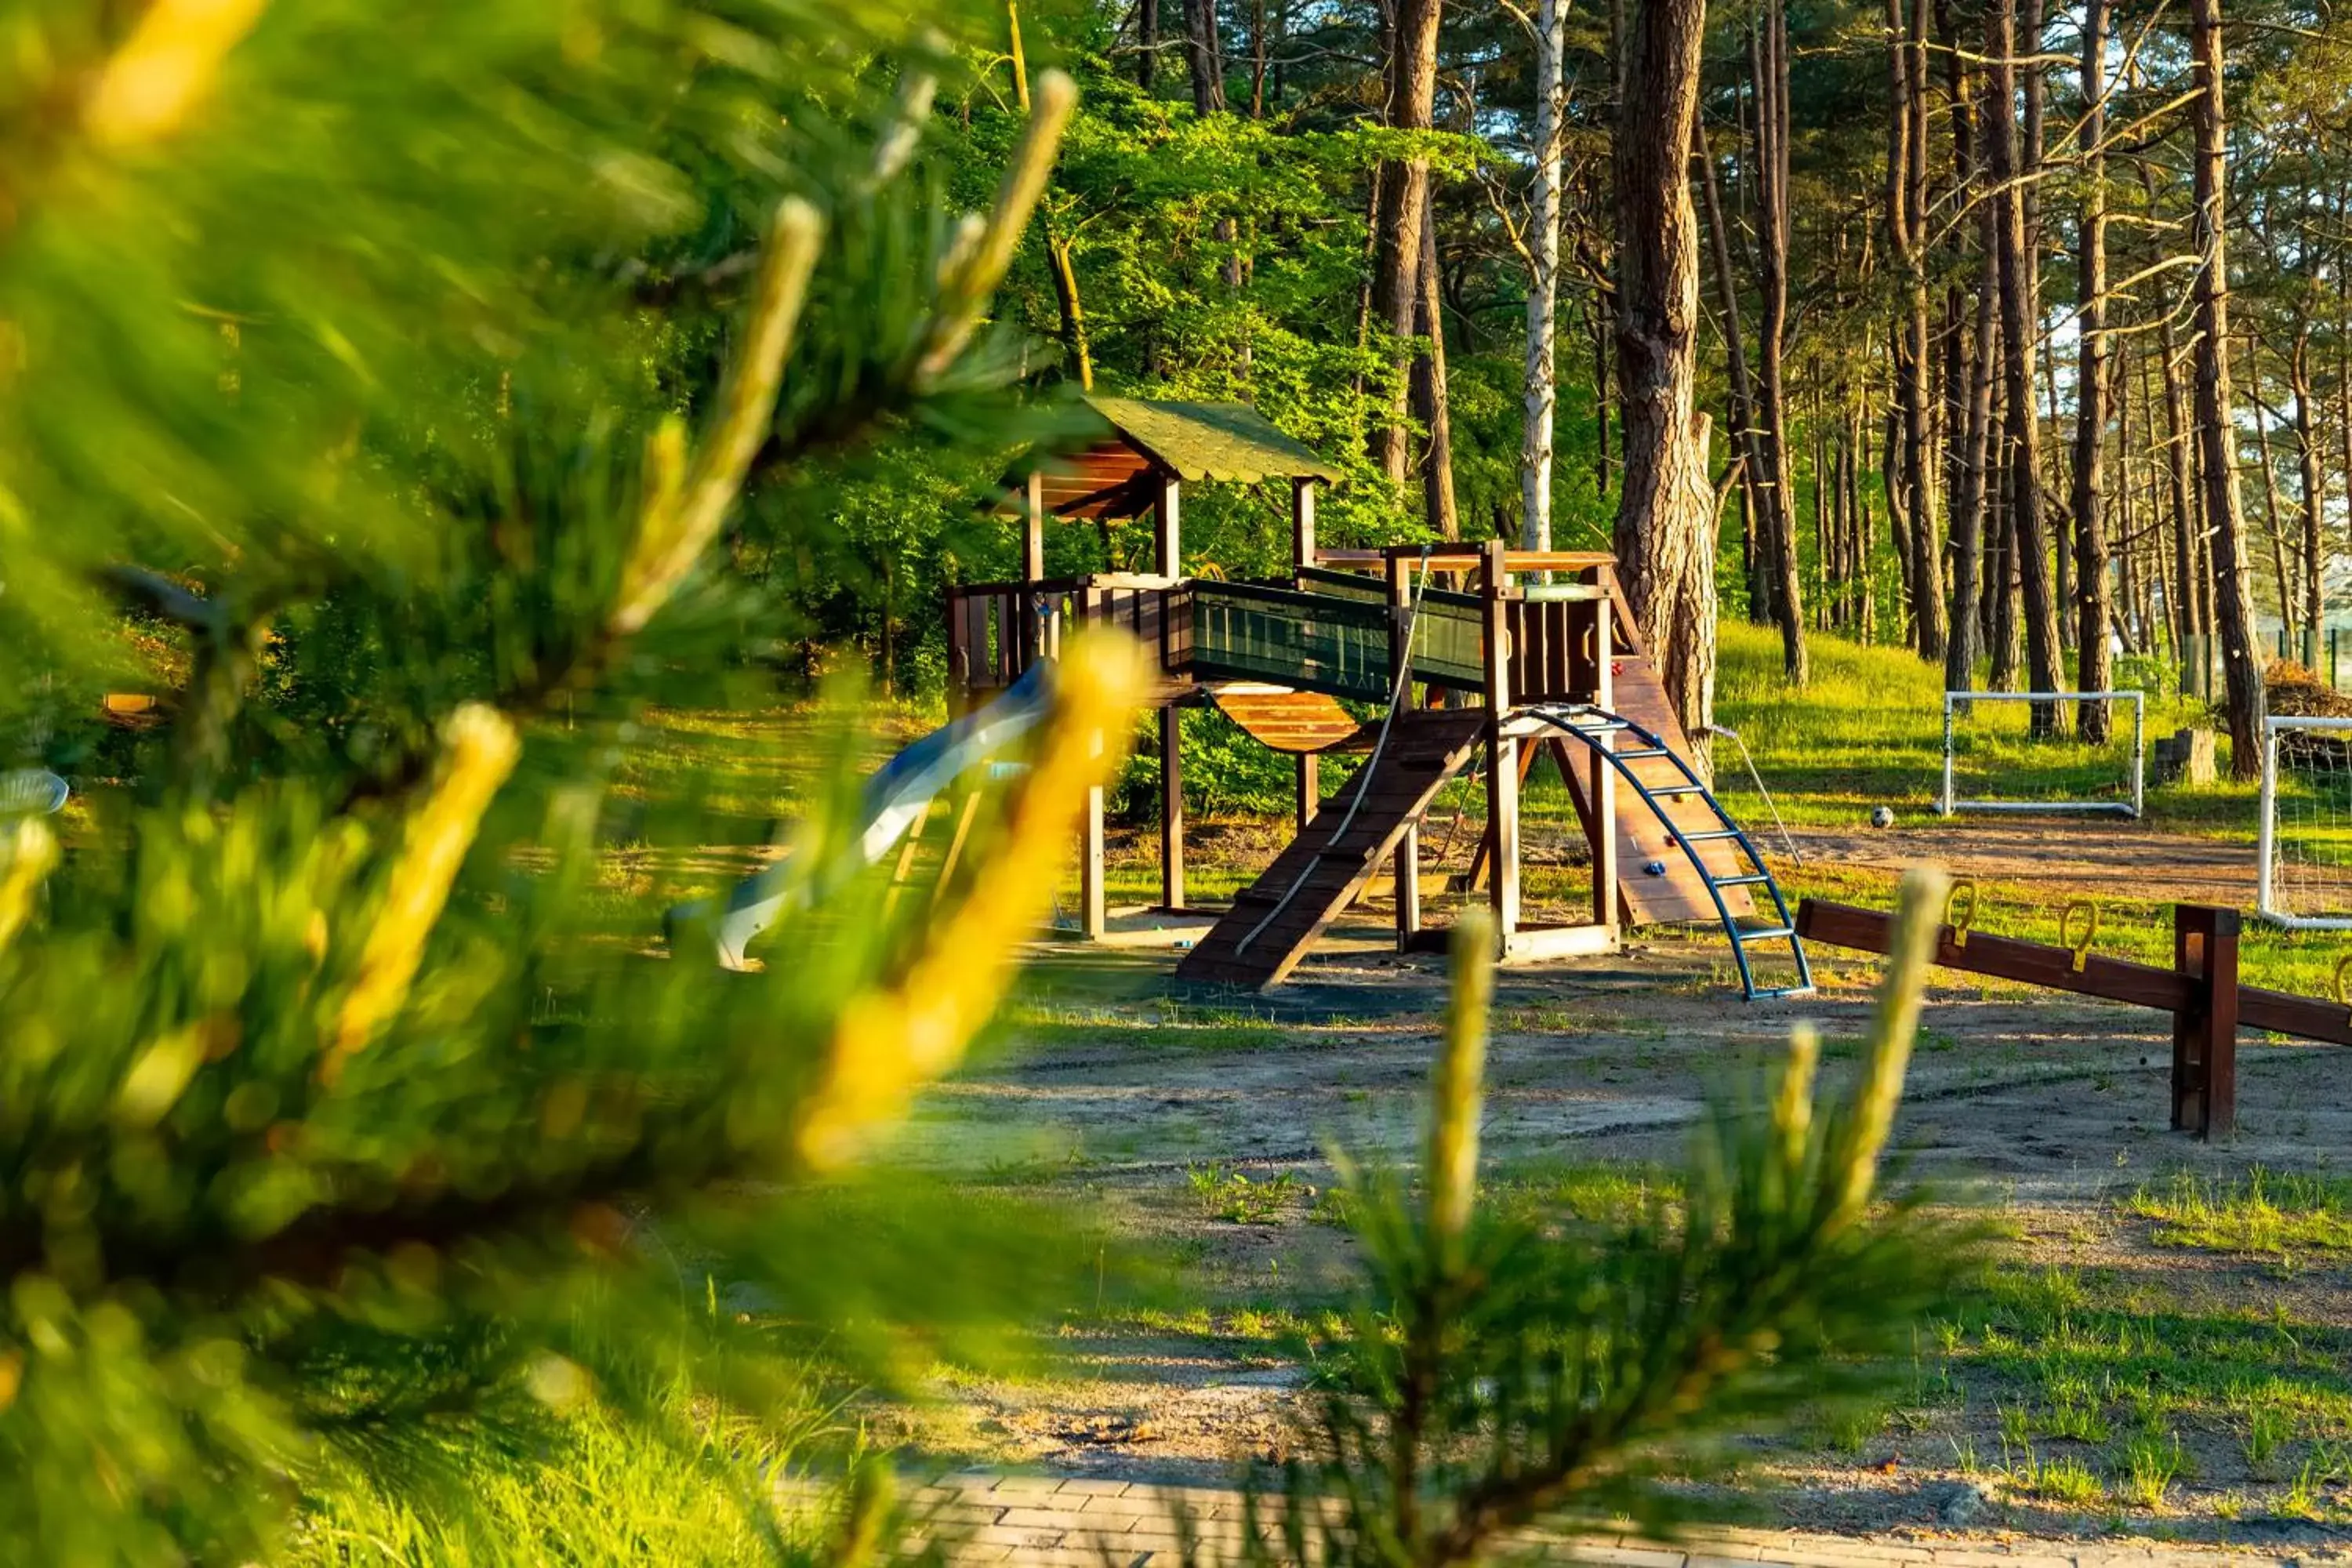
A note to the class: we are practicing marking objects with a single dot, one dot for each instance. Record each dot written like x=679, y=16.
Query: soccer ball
x=1883, y=816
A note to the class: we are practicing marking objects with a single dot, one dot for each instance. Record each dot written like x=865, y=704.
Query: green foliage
x=353, y=1149
x=1230, y=1195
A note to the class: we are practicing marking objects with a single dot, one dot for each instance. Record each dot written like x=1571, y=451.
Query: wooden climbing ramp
x=1678, y=894
x=1276, y=919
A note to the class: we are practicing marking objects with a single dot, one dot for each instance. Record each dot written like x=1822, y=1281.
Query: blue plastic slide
x=894, y=799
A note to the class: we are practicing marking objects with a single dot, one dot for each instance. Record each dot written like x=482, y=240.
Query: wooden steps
x=1425, y=749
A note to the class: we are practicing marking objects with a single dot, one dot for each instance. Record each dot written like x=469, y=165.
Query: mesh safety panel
x=1315, y=642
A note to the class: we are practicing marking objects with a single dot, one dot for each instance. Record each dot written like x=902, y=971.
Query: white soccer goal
x=1993, y=762
x=2306, y=824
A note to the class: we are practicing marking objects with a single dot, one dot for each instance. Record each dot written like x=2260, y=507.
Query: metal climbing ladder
x=1596, y=728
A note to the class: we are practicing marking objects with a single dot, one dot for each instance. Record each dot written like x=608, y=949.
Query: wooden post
x=1603, y=790
x=1033, y=565
x=1033, y=529
x=958, y=658
x=1302, y=523
x=1407, y=876
x=2205, y=1033
x=1167, y=524
x=1502, y=752
x=1171, y=807
x=1092, y=915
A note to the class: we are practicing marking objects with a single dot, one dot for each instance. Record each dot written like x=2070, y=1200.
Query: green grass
x=1230, y=1196
x=2106, y=1381
x=1868, y=731
x=2267, y=1213
x=589, y=1492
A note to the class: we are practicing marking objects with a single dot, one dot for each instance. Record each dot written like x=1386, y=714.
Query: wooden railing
x=997, y=630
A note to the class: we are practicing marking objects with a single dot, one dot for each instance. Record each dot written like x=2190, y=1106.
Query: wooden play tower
x=1465, y=656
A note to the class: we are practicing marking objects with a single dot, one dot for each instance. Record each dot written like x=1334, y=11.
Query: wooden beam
x=1167, y=525
x=1502, y=749
x=2004, y=958
x=1539, y=944
x=1032, y=529
x=1302, y=523
x=2200, y=991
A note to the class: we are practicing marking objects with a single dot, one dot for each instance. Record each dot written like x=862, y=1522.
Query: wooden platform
x=1425, y=749
x=1678, y=897
x=1299, y=722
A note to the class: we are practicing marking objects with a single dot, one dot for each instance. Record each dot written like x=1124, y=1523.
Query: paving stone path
x=1083, y=1523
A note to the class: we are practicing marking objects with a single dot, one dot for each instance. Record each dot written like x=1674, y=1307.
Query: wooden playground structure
x=1474, y=657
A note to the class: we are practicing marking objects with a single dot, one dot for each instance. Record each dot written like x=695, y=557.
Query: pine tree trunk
x=1258, y=60
x=2178, y=462
x=2095, y=668
x=2233, y=599
x=1540, y=397
x=1666, y=516
x=1204, y=56
x=2315, y=591
x=1146, y=43
x=2018, y=334
x=1411, y=93
x=2262, y=461
x=1602, y=337
x=1744, y=433
x=1907, y=231
x=1431, y=404
x=1775, y=486
x=1899, y=515
x=1967, y=643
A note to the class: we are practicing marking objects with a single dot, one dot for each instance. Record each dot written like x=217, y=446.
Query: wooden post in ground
x=1502, y=751
x=1088, y=607
x=1033, y=565
x=1603, y=790
x=1406, y=871
x=2205, y=1033
x=959, y=658
x=1168, y=561
x=1306, y=768
x=1171, y=807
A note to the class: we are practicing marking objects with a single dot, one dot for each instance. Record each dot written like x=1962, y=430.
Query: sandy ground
x=2040, y=1109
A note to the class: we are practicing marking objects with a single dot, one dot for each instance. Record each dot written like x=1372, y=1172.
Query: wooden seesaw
x=2202, y=991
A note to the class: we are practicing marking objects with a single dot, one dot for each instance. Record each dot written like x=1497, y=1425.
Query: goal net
x=1994, y=760
x=2306, y=823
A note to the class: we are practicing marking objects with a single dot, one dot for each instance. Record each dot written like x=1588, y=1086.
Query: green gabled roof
x=1229, y=442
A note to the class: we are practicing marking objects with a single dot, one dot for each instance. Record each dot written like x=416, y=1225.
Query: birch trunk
x=1541, y=398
